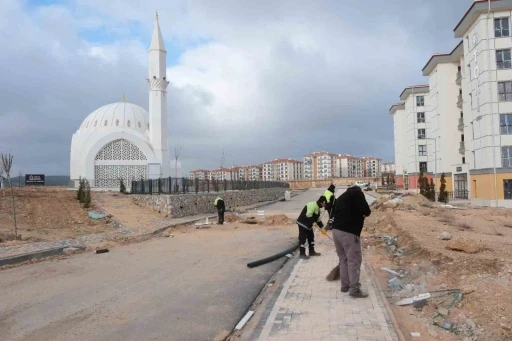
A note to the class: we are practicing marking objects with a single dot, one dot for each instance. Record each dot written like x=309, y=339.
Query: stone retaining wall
x=182, y=205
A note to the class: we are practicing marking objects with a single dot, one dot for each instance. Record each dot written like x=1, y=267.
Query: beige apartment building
x=283, y=170
x=319, y=165
x=371, y=166
x=201, y=174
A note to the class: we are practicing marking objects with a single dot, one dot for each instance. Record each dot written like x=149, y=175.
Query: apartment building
x=222, y=174
x=371, y=166
x=387, y=167
x=487, y=101
x=349, y=166
x=283, y=170
x=319, y=165
x=411, y=132
x=250, y=173
x=468, y=122
x=445, y=145
x=200, y=174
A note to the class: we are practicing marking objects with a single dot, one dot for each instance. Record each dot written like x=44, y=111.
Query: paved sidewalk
x=311, y=308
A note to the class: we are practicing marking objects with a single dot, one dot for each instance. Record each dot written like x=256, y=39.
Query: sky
x=258, y=79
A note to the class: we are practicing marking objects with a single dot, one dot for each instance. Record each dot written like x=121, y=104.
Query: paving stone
x=319, y=311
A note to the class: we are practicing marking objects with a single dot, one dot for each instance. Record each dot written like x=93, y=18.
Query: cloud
x=260, y=79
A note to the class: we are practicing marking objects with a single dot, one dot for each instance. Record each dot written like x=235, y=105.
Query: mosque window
x=117, y=122
x=95, y=123
x=128, y=123
x=106, y=122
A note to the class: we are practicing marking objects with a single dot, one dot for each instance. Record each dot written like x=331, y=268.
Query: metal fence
x=458, y=195
x=183, y=185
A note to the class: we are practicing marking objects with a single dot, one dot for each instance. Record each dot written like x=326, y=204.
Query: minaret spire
x=158, y=103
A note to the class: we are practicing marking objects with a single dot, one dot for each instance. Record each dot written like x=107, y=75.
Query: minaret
x=158, y=102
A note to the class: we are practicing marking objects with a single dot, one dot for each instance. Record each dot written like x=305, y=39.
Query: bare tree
x=19, y=179
x=177, y=154
x=1, y=174
x=6, y=165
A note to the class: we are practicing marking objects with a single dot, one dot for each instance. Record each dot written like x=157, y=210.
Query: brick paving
x=311, y=308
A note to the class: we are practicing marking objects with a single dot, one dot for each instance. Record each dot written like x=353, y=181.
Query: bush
x=443, y=194
x=421, y=184
x=85, y=194
x=432, y=190
x=80, y=189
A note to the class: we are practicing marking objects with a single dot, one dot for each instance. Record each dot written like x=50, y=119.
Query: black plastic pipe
x=272, y=258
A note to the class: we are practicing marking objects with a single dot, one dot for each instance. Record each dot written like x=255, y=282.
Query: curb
x=385, y=302
x=59, y=250
x=37, y=255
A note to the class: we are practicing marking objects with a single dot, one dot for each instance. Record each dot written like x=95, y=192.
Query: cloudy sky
x=261, y=79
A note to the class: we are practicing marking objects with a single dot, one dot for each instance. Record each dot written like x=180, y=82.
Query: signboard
x=34, y=179
x=459, y=169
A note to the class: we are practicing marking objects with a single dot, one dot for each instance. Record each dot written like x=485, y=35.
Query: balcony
x=462, y=147
x=458, y=78
x=459, y=101
x=461, y=124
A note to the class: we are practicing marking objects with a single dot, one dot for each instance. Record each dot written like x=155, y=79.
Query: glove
x=320, y=224
x=328, y=227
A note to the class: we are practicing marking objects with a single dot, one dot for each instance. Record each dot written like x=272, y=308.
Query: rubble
x=466, y=246
x=445, y=236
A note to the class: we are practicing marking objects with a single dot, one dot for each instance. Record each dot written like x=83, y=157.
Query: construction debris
x=280, y=219
x=466, y=246
x=445, y=235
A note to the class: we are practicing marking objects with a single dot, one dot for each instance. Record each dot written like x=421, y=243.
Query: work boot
x=313, y=253
x=344, y=289
x=358, y=294
x=303, y=254
x=304, y=257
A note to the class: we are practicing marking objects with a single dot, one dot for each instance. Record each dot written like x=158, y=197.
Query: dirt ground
x=45, y=214
x=476, y=259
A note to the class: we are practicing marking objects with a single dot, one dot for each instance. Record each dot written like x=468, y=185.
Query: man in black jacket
x=309, y=215
x=329, y=195
x=347, y=221
x=219, y=205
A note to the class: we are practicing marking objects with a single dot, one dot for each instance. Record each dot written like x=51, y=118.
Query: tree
x=421, y=183
x=177, y=153
x=443, y=194
x=122, y=186
x=6, y=165
x=432, y=190
x=86, y=194
x=80, y=189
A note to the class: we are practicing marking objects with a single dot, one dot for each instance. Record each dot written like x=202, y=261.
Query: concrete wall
x=326, y=183
x=177, y=206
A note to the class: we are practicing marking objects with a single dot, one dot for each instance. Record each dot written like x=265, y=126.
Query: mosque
x=122, y=140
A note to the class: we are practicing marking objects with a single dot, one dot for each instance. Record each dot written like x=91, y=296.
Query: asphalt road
x=195, y=286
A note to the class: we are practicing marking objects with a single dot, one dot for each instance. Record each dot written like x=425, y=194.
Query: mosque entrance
x=119, y=159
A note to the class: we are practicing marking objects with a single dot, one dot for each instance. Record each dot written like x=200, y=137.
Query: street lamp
x=435, y=165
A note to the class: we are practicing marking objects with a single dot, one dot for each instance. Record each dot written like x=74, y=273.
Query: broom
x=334, y=275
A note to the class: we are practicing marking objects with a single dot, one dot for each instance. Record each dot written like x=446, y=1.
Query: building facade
x=371, y=166
x=387, y=167
x=468, y=129
x=201, y=174
x=283, y=170
x=319, y=165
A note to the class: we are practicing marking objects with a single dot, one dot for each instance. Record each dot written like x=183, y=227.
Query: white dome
x=120, y=115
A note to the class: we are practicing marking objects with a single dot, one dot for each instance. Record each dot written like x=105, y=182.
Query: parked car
x=362, y=184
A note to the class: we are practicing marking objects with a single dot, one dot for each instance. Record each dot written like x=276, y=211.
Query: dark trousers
x=220, y=212
x=306, y=235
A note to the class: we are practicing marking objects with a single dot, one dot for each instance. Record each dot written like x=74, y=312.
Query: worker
x=219, y=204
x=309, y=215
x=329, y=195
x=347, y=220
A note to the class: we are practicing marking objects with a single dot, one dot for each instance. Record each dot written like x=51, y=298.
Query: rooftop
x=419, y=89
x=437, y=58
x=478, y=7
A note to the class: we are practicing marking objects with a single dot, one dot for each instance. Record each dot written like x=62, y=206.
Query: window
x=506, y=156
x=501, y=28
x=503, y=59
x=505, y=91
x=461, y=114
x=463, y=160
x=420, y=101
x=422, y=150
x=469, y=71
x=462, y=137
x=423, y=167
x=507, y=189
x=421, y=133
x=421, y=117
x=506, y=124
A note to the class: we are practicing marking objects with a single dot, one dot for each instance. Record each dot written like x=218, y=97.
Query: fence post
x=159, y=186
x=169, y=185
x=184, y=183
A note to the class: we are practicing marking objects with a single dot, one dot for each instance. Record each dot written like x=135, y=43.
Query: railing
x=461, y=123
x=458, y=77
x=457, y=195
x=462, y=147
x=182, y=185
x=459, y=100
